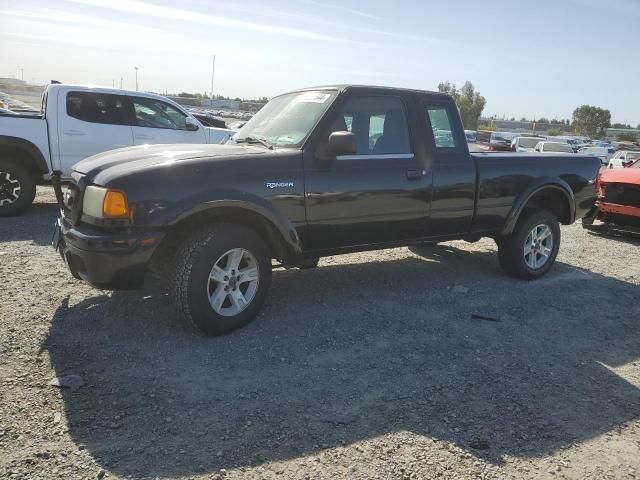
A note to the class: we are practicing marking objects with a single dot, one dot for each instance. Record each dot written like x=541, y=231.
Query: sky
x=527, y=58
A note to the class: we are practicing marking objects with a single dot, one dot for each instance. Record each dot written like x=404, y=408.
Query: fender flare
x=540, y=184
x=33, y=151
x=278, y=222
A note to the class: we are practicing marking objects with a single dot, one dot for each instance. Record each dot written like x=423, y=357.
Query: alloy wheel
x=538, y=246
x=233, y=282
x=9, y=189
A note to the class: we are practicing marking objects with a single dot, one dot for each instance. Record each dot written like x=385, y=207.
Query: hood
x=621, y=175
x=146, y=156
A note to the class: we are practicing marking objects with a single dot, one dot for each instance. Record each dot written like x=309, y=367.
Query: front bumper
x=110, y=261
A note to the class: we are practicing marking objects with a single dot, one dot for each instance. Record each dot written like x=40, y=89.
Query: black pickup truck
x=316, y=172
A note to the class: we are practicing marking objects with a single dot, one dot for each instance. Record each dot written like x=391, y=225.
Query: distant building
x=221, y=104
x=612, y=133
x=12, y=82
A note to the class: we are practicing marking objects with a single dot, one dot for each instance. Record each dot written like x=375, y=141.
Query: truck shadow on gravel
x=346, y=353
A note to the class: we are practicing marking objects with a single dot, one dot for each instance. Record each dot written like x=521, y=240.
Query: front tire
x=530, y=251
x=17, y=188
x=221, y=277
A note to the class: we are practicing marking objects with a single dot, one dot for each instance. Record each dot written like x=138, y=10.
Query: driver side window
x=379, y=124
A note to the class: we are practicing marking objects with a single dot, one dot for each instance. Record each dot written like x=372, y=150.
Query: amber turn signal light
x=115, y=205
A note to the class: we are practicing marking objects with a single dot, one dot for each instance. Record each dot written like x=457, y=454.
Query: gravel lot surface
x=370, y=366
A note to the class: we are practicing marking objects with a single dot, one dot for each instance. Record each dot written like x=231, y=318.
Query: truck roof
x=97, y=88
x=345, y=87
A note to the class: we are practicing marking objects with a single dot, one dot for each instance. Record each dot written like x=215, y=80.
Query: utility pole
x=120, y=83
x=113, y=83
x=136, y=69
x=22, y=74
x=213, y=74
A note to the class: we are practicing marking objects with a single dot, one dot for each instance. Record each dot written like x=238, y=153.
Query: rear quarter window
x=97, y=107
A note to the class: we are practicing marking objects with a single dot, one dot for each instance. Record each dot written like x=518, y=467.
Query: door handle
x=74, y=132
x=144, y=137
x=415, y=174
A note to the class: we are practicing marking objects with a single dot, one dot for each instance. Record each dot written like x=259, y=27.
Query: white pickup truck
x=79, y=121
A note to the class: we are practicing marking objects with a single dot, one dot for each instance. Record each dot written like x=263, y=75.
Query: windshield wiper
x=259, y=140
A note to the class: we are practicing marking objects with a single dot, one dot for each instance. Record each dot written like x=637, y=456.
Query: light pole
x=136, y=69
x=213, y=74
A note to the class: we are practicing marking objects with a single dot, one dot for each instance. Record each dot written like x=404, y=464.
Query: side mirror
x=342, y=143
x=339, y=143
x=191, y=125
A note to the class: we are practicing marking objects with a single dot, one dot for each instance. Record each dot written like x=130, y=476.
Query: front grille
x=622, y=194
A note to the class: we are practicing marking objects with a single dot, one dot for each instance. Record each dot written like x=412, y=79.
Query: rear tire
x=17, y=188
x=531, y=250
x=221, y=276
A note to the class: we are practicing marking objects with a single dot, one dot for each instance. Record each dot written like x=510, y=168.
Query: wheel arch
x=280, y=235
x=26, y=154
x=553, y=194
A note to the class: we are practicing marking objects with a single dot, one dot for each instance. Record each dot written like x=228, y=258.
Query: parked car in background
x=213, y=217
x=524, y=144
x=501, y=141
x=623, y=158
x=78, y=122
x=618, y=205
x=209, y=120
x=471, y=136
x=553, y=147
x=603, y=153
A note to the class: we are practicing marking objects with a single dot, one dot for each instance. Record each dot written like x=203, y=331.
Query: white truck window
x=97, y=107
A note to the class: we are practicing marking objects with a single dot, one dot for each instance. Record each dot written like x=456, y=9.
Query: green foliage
x=620, y=125
x=490, y=128
x=626, y=137
x=469, y=102
x=554, y=132
x=542, y=120
x=591, y=120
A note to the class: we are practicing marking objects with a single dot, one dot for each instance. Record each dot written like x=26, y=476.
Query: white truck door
x=91, y=122
x=156, y=121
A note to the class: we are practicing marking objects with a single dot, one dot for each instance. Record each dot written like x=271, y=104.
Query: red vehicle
x=618, y=204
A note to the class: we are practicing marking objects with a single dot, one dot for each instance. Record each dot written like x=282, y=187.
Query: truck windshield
x=287, y=120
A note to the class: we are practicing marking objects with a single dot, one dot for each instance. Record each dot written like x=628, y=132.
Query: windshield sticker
x=314, y=97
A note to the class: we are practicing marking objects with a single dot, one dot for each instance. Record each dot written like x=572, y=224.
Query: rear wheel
x=17, y=188
x=530, y=251
x=220, y=278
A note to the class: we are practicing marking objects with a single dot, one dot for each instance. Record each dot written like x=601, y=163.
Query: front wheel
x=530, y=251
x=220, y=278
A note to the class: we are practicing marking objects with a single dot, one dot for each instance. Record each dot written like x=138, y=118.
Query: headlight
x=101, y=202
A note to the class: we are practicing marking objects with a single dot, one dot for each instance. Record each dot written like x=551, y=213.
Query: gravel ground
x=370, y=366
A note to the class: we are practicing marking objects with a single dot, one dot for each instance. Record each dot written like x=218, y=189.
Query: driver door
x=381, y=193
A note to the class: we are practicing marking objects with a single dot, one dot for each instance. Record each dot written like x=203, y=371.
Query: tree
x=620, y=125
x=469, y=102
x=553, y=132
x=543, y=120
x=591, y=120
x=523, y=119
